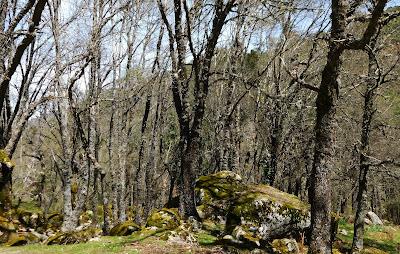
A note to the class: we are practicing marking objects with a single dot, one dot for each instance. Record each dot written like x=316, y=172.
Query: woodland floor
x=378, y=240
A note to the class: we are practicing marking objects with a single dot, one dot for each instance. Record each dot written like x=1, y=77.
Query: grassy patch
x=377, y=238
x=105, y=245
x=115, y=245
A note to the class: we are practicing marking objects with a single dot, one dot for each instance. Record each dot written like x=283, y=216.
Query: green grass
x=384, y=238
x=106, y=245
x=150, y=244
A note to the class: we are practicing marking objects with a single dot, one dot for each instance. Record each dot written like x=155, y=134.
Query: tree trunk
x=369, y=110
x=70, y=221
x=5, y=183
x=106, y=215
x=187, y=205
x=140, y=187
x=320, y=189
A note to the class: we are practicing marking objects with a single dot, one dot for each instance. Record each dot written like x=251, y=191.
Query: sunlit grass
x=384, y=238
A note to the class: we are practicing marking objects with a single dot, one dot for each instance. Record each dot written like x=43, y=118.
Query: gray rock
x=250, y=213
x=367, y=221
x=374, y=218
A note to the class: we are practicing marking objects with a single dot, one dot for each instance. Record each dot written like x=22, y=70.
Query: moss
x=145, y=233
x=31, y=207
x=212, y=227
x=271, y=200
x=220, y=185
x=124, y=229
x=167, y=218
x=74, y=187
x=206, y=239
x=5, y=159
x=32, y=238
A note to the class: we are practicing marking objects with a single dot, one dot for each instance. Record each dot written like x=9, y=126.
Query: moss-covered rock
x=22, y=238
x=213, y=227
x=6, y=224
x=285, y=246
x=124, y=229
x=16, y=240
x=54, y=221
x=214, y=194
x=250, y=213
x=268, y=213
x=31, y=219
x=166, y=218
x=74, y=237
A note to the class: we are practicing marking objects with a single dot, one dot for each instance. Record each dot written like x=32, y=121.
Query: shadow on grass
x=388, y=246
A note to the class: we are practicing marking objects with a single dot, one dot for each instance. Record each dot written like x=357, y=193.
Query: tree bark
x=320, y=187
x=368, y=114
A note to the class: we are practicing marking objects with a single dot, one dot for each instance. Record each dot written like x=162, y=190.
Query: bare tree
x=320, y=189
x=190, y=117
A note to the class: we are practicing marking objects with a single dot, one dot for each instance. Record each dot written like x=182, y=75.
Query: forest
x=199, y=126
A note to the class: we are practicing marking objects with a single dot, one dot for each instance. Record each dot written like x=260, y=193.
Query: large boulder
x=249, y=213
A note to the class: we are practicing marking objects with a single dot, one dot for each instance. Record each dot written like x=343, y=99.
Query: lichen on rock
x=268, y=212
x=252, y=214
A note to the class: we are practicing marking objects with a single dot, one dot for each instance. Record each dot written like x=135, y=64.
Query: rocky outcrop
x=248, y=213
